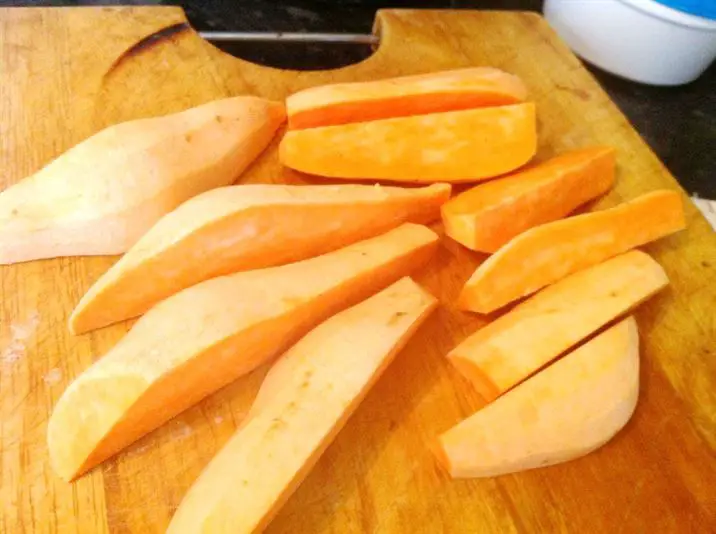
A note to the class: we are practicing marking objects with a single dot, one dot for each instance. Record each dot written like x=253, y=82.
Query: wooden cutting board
x=66, y=73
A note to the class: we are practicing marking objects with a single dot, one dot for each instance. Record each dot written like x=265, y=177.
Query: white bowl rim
x=661, y=11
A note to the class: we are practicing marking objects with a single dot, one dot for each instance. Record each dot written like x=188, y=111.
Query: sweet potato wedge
x=246, y=227
x=102, y=195
x=565, y=411
x=452, y=90
x=206, y=336
x=307, y=397
x=547, y=253
x=454, y=146
x=487, y=216
x=508, y=350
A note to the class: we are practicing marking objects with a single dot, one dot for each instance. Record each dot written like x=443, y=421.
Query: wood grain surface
x=66, y=73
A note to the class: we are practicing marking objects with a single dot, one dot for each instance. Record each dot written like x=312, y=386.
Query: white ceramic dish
x=641, y=40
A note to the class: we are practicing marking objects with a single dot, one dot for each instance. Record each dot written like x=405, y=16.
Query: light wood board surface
x=66, y=73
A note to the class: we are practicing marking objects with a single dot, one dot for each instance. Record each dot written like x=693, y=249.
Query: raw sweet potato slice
x=206, y=336
x=565, y=411
x=487, y=216
x=244, y=227
x=455, y=146
x=508, y=350
x=312, y=390
x=452, y=90
x=101, y=196
x=547, y=253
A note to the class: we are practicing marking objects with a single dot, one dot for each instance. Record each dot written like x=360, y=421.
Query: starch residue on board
x=53, y=376
x=19, y=333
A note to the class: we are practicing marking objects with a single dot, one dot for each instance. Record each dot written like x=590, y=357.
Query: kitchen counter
x=678, y=123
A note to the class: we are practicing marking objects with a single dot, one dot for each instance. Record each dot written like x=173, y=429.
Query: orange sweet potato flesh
x=306, y=399
x=487, y=216
x=454, y=146
x=452, y=90
x=565, y=411
x=102, y=195
x=508, y=350
x=247, y=227
x=206, y=336
x=547, y=253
